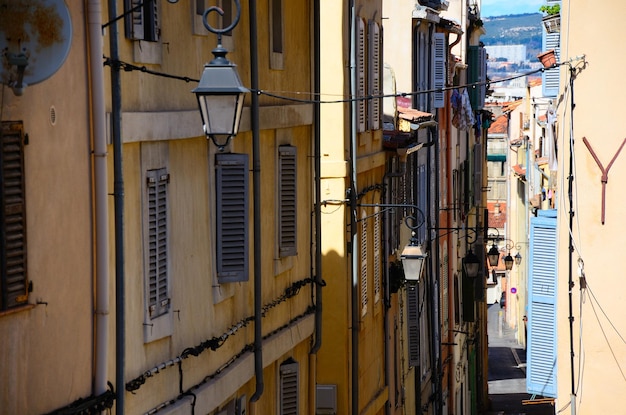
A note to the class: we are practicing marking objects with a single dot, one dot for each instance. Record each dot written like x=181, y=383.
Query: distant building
x=512, y=53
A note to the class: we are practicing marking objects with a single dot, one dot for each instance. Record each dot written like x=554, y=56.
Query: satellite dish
x=35, y=39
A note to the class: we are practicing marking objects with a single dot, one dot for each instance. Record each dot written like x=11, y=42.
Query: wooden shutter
x=542, y=292
x=445, y=282
x=360, y=69
x=364, y=220
x=287, y=204
x=377, y=254
x=14, y=279
x=478, y=173
x=158, y=290
x=439, y=69
x=374, y=75
x=232, y=216
x=413, y=323
x=289, y=388
x=142, y=20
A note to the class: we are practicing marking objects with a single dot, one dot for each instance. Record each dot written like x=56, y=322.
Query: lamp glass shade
x=220, y=96
x=471, y=264
x=508, y=262
x=493, y=256
x=518, y=258
x=412, y=262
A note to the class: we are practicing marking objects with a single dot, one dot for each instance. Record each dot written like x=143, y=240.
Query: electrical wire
x=129, y=67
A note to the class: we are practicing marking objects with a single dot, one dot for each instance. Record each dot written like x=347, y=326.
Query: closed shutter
x=364, y=220
x=374, y=75
x=360, y=81
x=377, y=254
x=439, y=69
x=289, y=388
x=477, y=73
x=478, y=173
x=445, y=282
x=13, y=281
x=287, y=213
x=158, y=296
x=413, y=323
x=542, y=291
x=232, y=216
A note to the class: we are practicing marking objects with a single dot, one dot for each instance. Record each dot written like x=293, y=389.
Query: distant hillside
x=515, y=29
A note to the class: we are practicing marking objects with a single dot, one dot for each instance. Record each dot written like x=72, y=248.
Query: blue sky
x=501, y=7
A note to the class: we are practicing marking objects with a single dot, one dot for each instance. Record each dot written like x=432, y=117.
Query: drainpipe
x=318, y=207
x=118, y=192
x=256, y=178
x=94, y=24
x=317, y=172
x=353, y=212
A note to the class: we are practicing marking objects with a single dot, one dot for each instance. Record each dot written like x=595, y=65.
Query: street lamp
x=518, y=259
x=220, y=92
x=471, y=264
x=493, y=255
x=413, y=260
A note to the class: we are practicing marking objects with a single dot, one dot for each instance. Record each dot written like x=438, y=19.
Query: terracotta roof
x=496, y=220
x=499, y=126
x=413, y=115
x=534, y=82
x=519, y=170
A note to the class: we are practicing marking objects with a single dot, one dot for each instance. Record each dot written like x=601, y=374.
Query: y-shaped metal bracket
x=605, y=172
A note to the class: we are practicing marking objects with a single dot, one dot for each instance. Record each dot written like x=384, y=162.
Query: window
x=413, y=323
x=439, y=69
x=142, y=21
x=377, y=254
x=231, y=171
x=276, y=34
x=289, y=384
x=364, y=301
x=13, y=281
x=158, y=314
x=158, y=297
x=360, y=69
x=542, y=294
x=374, y=81
x=287, y=203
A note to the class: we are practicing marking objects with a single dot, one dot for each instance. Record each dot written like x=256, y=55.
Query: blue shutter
x=439, y=70
x=542, y=290
x=232, y=216
x=550, y=79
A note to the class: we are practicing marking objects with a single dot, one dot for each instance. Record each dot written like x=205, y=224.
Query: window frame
x=158, y=321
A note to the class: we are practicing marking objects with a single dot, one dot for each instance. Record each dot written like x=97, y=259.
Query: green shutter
x=14, y=280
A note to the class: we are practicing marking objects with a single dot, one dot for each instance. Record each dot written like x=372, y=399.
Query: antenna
x=35, y=39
